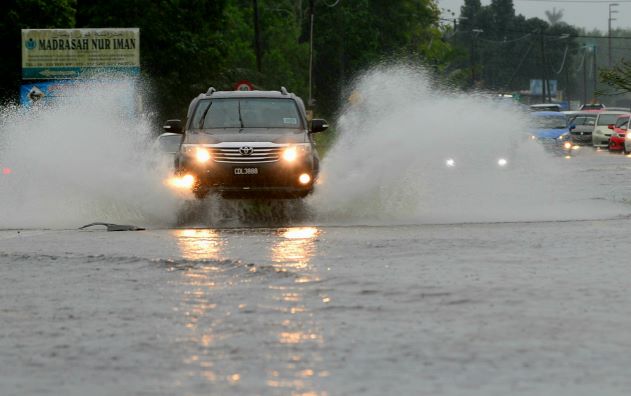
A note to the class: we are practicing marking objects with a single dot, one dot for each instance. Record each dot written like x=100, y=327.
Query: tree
x=617, y=79
x=355, y=35
x=554, y=16
x=181, y=50
x=24, y=14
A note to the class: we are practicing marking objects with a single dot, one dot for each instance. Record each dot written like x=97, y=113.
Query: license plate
x=246, y=171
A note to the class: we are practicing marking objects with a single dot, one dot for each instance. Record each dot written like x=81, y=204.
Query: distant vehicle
x=603, y=130
x=592, y=106
x=246, y=144
x=581, y=127
x=626, y=148
x=549, y=125
x=545, y=107
x=616, y=142
x=552, y=129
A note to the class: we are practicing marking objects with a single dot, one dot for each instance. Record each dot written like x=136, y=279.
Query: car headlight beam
x=202, y=155
x=290, y=154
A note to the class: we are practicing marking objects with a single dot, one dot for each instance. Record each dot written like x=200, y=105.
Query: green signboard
x=79, y=53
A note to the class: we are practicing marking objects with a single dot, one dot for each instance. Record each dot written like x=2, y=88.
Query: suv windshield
x=247, y=113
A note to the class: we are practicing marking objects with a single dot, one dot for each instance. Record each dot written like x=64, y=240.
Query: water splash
x=411, y=152
x=82, y=158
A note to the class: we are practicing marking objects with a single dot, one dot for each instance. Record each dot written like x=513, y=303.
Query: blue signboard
x=55, y=91
x=536, y=87
x=44, y=91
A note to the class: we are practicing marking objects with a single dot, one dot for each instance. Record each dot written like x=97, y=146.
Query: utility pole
x=257, y=35
x=543, y=69
x=472, y=54
x=311, y=18
x=595, y=67
x=609, y=34
x=584, y=75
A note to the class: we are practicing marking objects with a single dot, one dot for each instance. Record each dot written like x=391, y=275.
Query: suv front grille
x=259, y=154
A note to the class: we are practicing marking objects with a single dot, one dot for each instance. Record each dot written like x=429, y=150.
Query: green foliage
x=179, y=43
x=617, y=79
x=24, y=14
x=189, y=45
x=355, y=35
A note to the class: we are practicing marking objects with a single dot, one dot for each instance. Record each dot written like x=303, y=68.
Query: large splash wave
x=85, y=157
x=409, y=151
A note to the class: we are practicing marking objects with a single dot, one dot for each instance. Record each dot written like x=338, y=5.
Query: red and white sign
x=243, y=85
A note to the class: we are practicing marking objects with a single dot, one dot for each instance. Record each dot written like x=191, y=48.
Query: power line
x=563, y=62
x=557, y=35
x=331, y=5
x=577, y=1
x=506, y=41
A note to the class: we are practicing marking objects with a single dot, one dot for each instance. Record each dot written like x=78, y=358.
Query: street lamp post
x=311, y=18
x=609, y=31
x=472, y=54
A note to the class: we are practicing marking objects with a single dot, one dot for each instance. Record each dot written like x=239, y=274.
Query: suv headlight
x=293, y=152
x=200, y=153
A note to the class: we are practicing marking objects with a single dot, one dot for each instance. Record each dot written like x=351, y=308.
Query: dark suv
x=248, y=144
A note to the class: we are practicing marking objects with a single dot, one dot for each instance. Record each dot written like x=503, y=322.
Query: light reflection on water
x=281, y=320
x=200, y=245
x=293, y=252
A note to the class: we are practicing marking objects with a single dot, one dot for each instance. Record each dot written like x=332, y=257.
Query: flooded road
x=495, y=308
x=439, y=255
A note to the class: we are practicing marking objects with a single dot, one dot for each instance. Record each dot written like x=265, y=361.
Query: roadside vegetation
x=189, y=45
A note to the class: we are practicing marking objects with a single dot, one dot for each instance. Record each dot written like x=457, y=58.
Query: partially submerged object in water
x=115, y=227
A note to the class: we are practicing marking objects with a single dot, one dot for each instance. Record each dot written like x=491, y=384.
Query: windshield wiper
x=240, y=119
x=201, y=120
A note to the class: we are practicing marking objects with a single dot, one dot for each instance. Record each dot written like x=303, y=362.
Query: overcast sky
x=589, y=14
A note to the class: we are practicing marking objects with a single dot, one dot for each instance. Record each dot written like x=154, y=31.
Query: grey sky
x=581, y=14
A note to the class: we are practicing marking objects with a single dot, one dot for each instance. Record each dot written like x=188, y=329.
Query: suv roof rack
x=211, y=90
x=283, y=90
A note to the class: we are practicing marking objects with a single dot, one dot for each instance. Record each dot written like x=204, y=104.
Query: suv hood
x=214, y=136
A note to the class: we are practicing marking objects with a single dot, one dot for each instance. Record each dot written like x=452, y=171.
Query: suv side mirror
x=572, y=127
x=318, y=125
x=610, y=126
x=169, y=143
x=173, y=126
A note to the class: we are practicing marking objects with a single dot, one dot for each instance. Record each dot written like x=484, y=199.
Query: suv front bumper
x=272, y=179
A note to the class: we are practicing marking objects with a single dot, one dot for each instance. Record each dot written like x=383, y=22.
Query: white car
x=627, y=144
x=545, y=107
x=604, y=127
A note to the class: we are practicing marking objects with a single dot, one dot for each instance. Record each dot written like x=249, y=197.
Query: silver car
x=582, y=126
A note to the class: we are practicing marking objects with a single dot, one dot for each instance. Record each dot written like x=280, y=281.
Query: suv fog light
x=304, y=178
x=202, y=155
x=567, y=145
x=188, y=181
x=181, y=182
x=290, y=154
